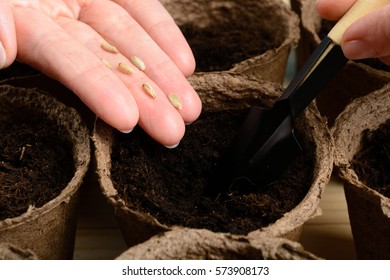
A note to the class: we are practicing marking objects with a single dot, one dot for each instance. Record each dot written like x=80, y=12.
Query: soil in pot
x=35, y=162
x=17, y=70
x=372, y=163
x=219, y=46
x=170, y=184
x=249, y=36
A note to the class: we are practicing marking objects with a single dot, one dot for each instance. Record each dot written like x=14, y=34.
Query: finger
x=157, y=117
x=114, y=23
x=385, y=60
x=157, y=22
x=369, y=36
x=47, y=47
x=7, y=35
x=333, y=9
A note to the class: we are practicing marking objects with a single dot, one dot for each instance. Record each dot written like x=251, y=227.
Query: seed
x=105, y=62
x=149, y=90
x=109, y=48
x=138, y=63
x=175, y=101
x=124, y=68
x=22, y=153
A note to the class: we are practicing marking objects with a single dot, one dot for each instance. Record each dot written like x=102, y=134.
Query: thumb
x=369, y=37
x=7, y=35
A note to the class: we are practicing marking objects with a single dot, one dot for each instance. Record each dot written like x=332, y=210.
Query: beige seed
x=138, y=63
x=149, y=90
x=22, y=153
x=109, y=48
x=124, y=68
x=175, y=101
x=105, y=62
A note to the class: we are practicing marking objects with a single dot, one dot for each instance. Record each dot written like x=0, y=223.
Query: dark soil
x=17, y=69
x=36, y=162
x=170, y=184
x=372, y=163
x=218, y=47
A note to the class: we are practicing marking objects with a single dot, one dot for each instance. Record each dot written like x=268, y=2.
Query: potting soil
x=170, y=184
x=218, y=47
x=372, y=163
x=36, y=162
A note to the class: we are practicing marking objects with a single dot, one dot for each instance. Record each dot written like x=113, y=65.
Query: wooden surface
x=329, y=235
x=98, y=236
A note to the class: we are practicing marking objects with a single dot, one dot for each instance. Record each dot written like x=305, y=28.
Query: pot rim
x=206, y=244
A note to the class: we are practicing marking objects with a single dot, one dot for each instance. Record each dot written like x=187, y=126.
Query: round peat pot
x=201, y=244
x=248, y=36
x=354, y=80
x=361, y=134
x=44, y=155
x=152, y=188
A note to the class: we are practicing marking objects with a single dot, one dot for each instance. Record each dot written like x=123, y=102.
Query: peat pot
x=362, y=142
x=153, y=189
x=248, y=36
x=201, y=244
x=44, y=155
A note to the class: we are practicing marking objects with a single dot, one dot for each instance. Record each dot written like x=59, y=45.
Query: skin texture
x=63, y=38
x=368, y=37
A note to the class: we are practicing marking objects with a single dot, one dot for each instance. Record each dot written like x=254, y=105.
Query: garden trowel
x=265, y=144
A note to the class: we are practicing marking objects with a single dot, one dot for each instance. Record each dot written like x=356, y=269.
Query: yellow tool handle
x=357, y=11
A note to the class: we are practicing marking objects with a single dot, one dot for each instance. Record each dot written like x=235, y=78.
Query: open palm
x=81, y=43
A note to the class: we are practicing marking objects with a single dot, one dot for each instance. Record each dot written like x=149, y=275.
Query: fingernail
x=358, y=49
x=173, y=146
x=126, y=131
x=2, y=56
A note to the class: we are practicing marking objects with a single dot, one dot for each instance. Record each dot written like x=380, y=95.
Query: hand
x=63, y=39
x=368, y=37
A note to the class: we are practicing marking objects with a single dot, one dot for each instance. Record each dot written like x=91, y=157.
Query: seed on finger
x=125, y=68
x=175, y=101
x=149, y=90
x=109, y=48
x=138, y=63
x=108, y=64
